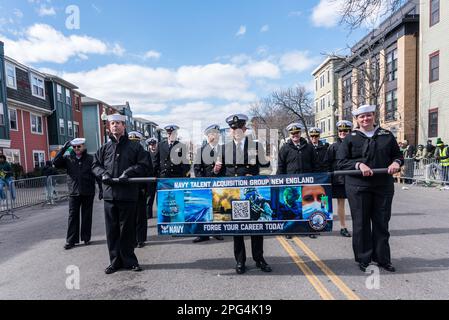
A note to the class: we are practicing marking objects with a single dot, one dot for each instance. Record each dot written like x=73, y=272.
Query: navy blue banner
x=263, y=205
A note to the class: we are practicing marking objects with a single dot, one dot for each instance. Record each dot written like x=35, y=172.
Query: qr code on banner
x=241, y=210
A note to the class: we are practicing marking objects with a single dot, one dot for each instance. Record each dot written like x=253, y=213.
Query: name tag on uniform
x=383, y=133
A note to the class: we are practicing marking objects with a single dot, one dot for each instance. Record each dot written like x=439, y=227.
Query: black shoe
x=288, y=237
x=345, y=233
x=219, y=238
x=389, y=267
x=200, y=239
x=262, y=265
x=363, y=266
x=86, y=243
x=111, y=269
x=136, y=268
x=141, y=245
x=69, y=246
x=313, y=236
x=240, y=268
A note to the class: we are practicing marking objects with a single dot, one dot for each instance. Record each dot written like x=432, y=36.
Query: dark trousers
x=150, y=200
x=371, y=213
x=141, y=217
x=120, y=217
x=85, y=205
x=256, y=248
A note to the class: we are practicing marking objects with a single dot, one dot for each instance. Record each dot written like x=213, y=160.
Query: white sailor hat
x=295, y=127
x=171, y=127
x=134, y=135
x=116, y=117
x=77, y=142
x=344, y=125
x=215, y=128
x=237, y=121
x=151, y=141
x=314, y=130
x=364, y=109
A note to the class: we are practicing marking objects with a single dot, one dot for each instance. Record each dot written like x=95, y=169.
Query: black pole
x=335, y=173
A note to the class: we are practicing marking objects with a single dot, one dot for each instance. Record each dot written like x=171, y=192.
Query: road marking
x=316, y=283
x=327, y=271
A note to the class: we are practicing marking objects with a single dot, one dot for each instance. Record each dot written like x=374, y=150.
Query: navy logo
x=317, y=221
x=235, y=119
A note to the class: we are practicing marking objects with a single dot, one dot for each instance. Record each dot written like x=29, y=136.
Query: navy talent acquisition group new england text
x=262, y=205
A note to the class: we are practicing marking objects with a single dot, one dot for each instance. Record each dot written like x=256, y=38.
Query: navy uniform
x=320, y=150
x=338, y=182
x=122, y=159
x=171, y=157
x=370, y=197
x=204, y=163
x=244, y=157
x=296, y=158
x=141, y=209
x=152, y=150
x=81, y=185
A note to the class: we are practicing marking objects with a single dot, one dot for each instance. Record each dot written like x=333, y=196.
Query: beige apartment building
x=434, y=71
x=326, y=97
x=383, y=70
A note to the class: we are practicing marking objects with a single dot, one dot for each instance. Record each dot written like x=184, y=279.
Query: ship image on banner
x=262, y=205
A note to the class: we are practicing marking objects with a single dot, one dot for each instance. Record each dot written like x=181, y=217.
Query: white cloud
x=43, y=43
x=241, y=32
x=18, y=13
x=43, y=11
x=327, y=13
x=263, y=69
x=295, y=14
x=118, y=50
x=152, y=55
x=298, y=61
x=265, y=28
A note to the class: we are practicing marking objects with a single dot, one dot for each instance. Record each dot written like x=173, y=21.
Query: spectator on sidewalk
x=430, y=149
x=49, y=171
x=6, y=178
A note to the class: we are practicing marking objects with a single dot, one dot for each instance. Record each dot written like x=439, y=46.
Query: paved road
x=33, y=264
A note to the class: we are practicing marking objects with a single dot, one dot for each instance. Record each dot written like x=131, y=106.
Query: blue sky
x=176, y=61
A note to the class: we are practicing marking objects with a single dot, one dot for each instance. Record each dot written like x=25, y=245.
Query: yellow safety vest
x=443, y=153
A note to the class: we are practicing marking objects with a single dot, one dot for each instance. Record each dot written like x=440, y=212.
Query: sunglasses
x=295, y=132
x=315, y=135
x=346, y=131
x=77, y=147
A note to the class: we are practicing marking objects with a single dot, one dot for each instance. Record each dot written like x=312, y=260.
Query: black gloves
x=66, y=145
x=106, y=179
x=123, y=178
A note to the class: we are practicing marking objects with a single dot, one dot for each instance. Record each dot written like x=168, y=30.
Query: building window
x=392, y=65
x=433, y=123
x=316, y=84
x=328, y=100
x=347, y=112
x=347, y=90
x=2, y=116
x=76, y=130
x=77, y=103
x=391, y=106
x=59, y=92
x=12, y=155
x=61, y=127
x=434, y=67
x=434, y=12
x=13, y=119
x=68, y=97
x=69, y=128
x=11, y=78
x=39, y=159
x=36, y=124
x=37, y=86
x=328, y=76
x=329, y=124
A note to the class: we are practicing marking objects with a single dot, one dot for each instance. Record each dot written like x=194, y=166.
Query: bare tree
x=354, y=13
x=297, y=105
x=267, y=115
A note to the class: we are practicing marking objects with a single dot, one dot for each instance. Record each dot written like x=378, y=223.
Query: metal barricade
x=426, y=171
x=30, y=192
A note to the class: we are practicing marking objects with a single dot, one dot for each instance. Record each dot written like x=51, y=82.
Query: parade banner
x=262, y=205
